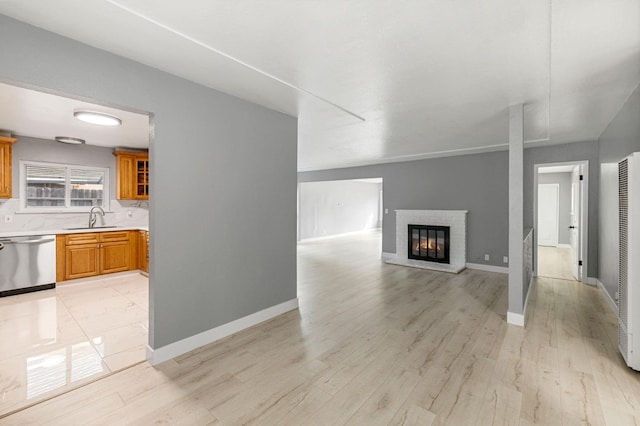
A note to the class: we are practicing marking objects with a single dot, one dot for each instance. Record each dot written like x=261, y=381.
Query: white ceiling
x=382, y=80
x=26, y=112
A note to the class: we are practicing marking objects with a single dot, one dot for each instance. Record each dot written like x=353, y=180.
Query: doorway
x=339, y=207
x=560, y=218
x=91, y=324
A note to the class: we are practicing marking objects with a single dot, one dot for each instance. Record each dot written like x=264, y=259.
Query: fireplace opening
x=428, y=242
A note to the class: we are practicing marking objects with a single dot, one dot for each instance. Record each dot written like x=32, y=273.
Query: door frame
x=583, y=221
x=557, y=215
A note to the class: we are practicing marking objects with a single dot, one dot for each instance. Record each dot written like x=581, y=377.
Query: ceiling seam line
x=419, y=157
x=236, y=60
x=550, y=46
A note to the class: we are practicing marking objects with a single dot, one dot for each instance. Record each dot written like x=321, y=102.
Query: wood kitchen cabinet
x=143, y=251
x=5, y=166
x=142, y=177
x=132, y=175
x=95, y=253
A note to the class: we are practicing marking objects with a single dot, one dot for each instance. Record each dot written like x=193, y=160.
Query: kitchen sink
x=95, y=227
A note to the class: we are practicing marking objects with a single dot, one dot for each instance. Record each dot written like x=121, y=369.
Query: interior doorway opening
x=94, y=319
x=335, y=208
x=560, y=220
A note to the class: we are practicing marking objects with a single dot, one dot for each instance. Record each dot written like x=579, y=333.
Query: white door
x=574, y=220
x=548, y=214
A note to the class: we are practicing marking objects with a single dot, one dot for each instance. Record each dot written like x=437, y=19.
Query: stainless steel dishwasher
x=27, y=264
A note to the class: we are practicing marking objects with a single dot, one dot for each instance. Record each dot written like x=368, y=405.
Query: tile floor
x=55, y=340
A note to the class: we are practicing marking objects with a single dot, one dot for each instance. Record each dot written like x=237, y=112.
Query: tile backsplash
x=118, y=215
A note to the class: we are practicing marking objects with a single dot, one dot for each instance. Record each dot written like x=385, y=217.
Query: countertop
x=17, y=233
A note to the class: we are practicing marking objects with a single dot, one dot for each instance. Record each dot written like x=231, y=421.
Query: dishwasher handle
x=40, y=241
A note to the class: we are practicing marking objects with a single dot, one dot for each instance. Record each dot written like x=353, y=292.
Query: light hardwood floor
x=382, y=344
x=555, y=262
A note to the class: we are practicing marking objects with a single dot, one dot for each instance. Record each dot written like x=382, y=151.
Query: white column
x=515, y=314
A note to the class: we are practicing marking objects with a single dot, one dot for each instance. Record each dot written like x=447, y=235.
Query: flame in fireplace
x=429, y=244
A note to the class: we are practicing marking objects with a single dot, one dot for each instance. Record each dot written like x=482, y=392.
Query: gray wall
x=564, y=201
x=478, y=183
x=338, y=207
x=620, y=138
x=579, y=151
x=50, y=151
x=223, y=172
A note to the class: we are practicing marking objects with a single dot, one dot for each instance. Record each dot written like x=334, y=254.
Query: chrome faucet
x=92, y=215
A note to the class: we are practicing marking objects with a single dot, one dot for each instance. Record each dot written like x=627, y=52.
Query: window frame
x=68, y=208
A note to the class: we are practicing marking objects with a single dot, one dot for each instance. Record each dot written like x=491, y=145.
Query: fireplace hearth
x=429, y=243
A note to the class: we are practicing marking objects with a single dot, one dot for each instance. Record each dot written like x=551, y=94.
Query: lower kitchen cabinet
x=81, y=261
x=95, y=253
x=143, y=251
x=115, y=257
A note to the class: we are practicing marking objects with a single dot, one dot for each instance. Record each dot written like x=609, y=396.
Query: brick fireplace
x=432, y=228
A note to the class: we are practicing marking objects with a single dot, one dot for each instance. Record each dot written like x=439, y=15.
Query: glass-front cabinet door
x=133, y=175
x=142, y=179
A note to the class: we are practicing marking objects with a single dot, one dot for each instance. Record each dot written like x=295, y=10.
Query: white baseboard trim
x=477, y=266
x=387, y=256
x=519, y=319
x=488, y=268
x=564, y=245
x=515, y=319
x=165, y=353
x=612, y=303
x=591, y=281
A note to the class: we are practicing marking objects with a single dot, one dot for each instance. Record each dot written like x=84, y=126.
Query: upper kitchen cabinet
x=5, y=166
x=133, y=175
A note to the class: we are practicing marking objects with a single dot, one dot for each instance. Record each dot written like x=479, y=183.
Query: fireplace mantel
x=456, y=220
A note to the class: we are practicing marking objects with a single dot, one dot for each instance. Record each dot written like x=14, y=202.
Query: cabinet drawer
x=75, y=239
x=112, y=237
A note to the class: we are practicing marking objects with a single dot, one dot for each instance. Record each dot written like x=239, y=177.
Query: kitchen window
x=51, y=187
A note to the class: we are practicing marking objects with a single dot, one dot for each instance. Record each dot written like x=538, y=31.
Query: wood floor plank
x=412, y=415
x=387, y=399
x=501, y=406
x=580, y=400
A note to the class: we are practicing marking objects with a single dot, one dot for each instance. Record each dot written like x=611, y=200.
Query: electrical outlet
x=8, y=218
x=386, y=211
x=129, y=214
x=486, y=256
x=617, y=296
x=505, y=259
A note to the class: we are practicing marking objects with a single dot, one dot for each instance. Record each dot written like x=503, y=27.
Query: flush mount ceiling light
x=99, y=118
x=67, y=139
